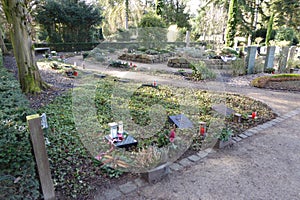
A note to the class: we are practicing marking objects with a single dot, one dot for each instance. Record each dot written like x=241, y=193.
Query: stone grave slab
x=223, y=109
x=156, y=174
x=181, y=121
x=125, y=143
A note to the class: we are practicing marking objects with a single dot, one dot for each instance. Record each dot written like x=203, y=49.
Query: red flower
x=172, y=136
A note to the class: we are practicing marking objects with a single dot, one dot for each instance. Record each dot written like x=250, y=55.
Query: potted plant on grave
x=224, y=137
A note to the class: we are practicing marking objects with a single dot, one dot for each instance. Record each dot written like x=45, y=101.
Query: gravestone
x=223, y=109
x=292, y=52
x=283, y=59
x=263, y=50
x=157, y=174
x=181, y=121
x=269, y=62
x=250, y=59
x=187, y=38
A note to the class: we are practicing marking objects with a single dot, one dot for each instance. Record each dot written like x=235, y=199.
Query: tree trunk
x=18, y=18
x=2, y=44
x=126, y=13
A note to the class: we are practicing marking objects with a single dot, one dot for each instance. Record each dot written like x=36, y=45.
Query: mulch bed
x=284, y=85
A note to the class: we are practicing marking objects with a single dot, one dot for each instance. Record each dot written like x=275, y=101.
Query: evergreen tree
x=269, y=30
x=67, y=21
x=231, y=23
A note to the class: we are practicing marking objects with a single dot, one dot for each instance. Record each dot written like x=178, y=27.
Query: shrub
x=201, y=72
x=259, y=66
x=100, y=57
x=151, y=52
x=119, y=64
x=85, y=55
x=152, y=32
x=269, y=70
x=238, y=67
x=229, y=51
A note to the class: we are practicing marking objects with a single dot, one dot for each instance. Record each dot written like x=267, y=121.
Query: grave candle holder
x=120, y=127
x=202, y=128
x=113, y=130
x=254, y=114
x=154, y=83
x=237, y=118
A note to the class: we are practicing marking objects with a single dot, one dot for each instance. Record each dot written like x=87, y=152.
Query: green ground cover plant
x=73, y=167
x=18, y=176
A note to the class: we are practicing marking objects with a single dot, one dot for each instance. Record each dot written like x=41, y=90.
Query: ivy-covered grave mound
x=145, y=113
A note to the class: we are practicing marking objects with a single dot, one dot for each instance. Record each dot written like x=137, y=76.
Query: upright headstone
x=250, y=59
x=187, y=38
x=269, y=62
x=292, y=53
x=283, y=59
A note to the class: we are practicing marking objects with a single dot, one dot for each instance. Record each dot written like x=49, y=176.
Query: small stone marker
x=181, y=121
x=269, y=62
x=156, y=174
x=223, y=109
x=41, y=157
x=250, y=59
x=128, y=187
x=99, y=75
x=237, y=118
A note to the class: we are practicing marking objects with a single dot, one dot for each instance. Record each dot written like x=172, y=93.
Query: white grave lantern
x=120, y=131
x=113, y=129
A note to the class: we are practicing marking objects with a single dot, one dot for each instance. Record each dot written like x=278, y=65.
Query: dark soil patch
x=57, y=82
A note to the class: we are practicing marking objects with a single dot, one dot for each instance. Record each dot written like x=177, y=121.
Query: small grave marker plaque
x=181, y=121
x=223, y=109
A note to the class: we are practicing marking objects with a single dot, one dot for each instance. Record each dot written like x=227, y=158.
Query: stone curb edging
x=131, y=186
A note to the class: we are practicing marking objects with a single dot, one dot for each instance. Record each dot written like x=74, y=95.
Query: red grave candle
x=154, y=83
x=253, y=115
x=202, y=130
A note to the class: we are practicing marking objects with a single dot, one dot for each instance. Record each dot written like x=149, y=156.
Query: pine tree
x=269, y=30
x=231, y=23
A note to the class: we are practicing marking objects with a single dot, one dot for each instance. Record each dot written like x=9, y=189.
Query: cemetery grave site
x=165, y=108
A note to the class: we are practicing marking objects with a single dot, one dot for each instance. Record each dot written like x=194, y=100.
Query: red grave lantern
x=202, y=128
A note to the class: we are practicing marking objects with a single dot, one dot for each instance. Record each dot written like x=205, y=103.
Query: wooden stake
x=41, y=157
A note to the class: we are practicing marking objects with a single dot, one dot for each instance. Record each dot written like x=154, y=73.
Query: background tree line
x=62, y=21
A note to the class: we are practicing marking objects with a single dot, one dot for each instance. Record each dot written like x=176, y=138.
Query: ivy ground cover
x=78, y=121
